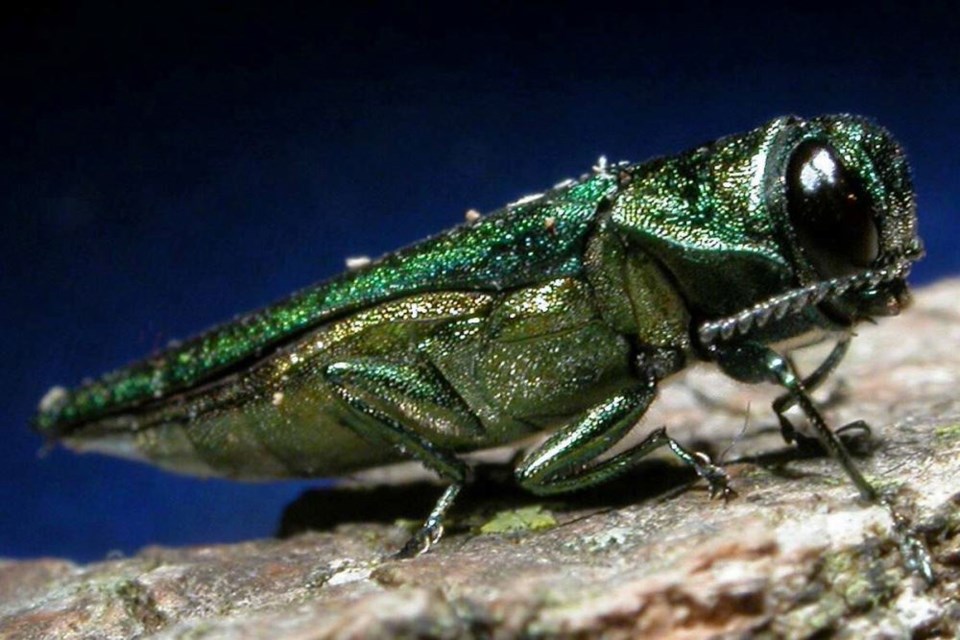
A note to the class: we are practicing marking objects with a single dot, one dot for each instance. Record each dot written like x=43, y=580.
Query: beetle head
x=849, y=213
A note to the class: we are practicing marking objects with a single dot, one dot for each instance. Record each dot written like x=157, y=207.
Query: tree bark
x=796, y=555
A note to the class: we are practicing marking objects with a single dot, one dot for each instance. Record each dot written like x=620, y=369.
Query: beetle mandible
x=561, y=312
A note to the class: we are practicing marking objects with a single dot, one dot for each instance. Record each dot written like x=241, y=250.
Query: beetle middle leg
x=563, y=462
x=385, y=396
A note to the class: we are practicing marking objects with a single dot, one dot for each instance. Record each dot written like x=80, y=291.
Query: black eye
x=830, y=212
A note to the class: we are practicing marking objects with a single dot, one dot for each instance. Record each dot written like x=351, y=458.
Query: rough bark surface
x=795, y=555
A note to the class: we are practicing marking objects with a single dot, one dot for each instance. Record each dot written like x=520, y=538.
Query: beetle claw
x=716, y=477
x=420, y=542
x=719, y=484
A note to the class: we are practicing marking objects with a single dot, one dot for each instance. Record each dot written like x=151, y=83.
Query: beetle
x=561, y=313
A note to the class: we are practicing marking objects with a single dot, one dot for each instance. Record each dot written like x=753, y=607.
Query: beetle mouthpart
x=890, y=302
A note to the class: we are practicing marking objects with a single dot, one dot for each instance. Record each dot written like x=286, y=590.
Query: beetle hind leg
x=566, y=461
x=407, y=407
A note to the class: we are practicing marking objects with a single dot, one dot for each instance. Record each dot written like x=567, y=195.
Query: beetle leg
x=784, y=402
x=387, y=397
x=752, y=362
x=810, y=384
x=566, y=460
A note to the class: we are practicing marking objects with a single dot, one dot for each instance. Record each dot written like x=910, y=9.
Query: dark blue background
x=163, y=171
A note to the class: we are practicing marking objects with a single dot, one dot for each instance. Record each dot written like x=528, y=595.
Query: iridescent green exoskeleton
x=561, y=312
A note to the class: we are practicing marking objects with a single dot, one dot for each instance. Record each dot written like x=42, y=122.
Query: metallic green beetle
x=561, y=312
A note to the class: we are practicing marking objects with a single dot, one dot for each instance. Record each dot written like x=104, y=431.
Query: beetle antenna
x=722, y=458
x=795, y=301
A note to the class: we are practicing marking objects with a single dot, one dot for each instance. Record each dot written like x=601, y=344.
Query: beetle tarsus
x=420, y=542
x=717, y=479
x=914, y=550
x=432, y=530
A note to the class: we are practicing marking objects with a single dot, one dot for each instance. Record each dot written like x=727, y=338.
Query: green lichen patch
x=948, y=432
x=533, y=518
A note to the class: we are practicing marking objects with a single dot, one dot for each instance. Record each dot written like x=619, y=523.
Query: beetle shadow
x=776, y=461
x=492, y=489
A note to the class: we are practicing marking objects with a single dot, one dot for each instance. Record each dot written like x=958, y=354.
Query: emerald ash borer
x=561, y=312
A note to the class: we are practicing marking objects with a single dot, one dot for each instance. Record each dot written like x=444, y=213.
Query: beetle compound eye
x=830, y=212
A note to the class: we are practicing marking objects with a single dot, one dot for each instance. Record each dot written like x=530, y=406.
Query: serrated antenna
x=793, y=302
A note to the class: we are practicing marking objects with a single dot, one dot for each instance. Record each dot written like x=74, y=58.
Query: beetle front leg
x=566, y=460
x=382, y=395
x=752, y=362
x=810, y=384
